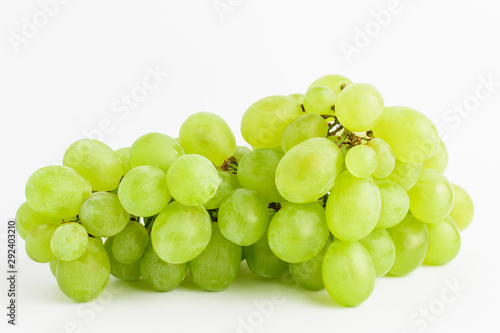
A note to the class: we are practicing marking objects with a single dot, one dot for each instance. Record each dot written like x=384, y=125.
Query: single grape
x=304, y=127
x=123, y=155
x=395, y=203
x=386, y=160
x=125, y=272
x=439, y=161
x=129, y=244
x=103, y=215
x=228, y=182
x=463, y=208
x=444, y=242
x=69, y=241
x=53, y=266
x=37, y=243
x=405, y=174
x=361, y=161
x=320, y=100
x=27, y=220
x=298, y=97
x=240, y=151
x=262, y=261
x=333, y=81
x=382, y=250
x=155, y=149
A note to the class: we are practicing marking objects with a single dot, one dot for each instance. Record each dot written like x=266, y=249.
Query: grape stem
x=275, y=206
x=230, y=165
x=213, y=214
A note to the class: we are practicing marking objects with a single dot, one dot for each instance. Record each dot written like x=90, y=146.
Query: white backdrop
x=117, y=69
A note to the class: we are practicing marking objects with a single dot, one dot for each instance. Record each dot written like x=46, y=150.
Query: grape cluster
x=338, y=189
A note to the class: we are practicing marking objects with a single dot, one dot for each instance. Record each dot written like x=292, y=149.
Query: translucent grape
x=304, y=127
x=180, y=233
x=155, y=149
x=27, y=220
x=143, y=191
x=361, y=161
x=297, y=233
x=53, y=267
x=218, y=265
x=228, y=182
x=411, y=135
x=123, y=155
x=348, y=273
x=125, y=272
x=463, y=208
x=307, y=171
x=37, y=243
x=444, y=242
x=431, y=199
x=240, y=151
x=320, y=100
x=353, y=207
x=103, y=215
x=386, y=160
x=333, y=81
x=129, y=244
x=359, y=107
x=57, y=191
x=208, y=135
x=265, y=120
x=405, y=174
x=382, y=250
x=298, y=97
x=243, y=217
x=439, y=161
x=262, y=261
x=69, y=241
x=395, y=203
x=95, y=161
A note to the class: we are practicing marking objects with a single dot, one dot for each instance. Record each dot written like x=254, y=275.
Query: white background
x=66, y=78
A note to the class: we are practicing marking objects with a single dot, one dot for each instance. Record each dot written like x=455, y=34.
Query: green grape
x=431, y=199
x=262, y=261
x=256, y=171
x=444, y=242
x=320, y=100
x=410, y=238
x=298, y=97
x=207, y=134
x=103, y=215
x=333, y=81
x=411, y=135
x=192, y=180
x=130, y=243
x=304, y=127
x=125, y=272
x=160, y=275
x=243, y=217
x=463, y=208
x=69, y=241
x=307, y=274
x=382, y=250
x=57, y=191
x=395, y=203
x=180, y=233
x=27, y=219
x=123, y=155
x=218, y=265
x=37, y=243
x=439, y=161
x=95, y=161
x=143, y=191
x=85, y=278
x=307, y=171
x=157, y=149
x=240, y=152
x=359, y=107
x=265, y=120
x=53, y=266
x=228, y=183
x=386, y=160
x=348, y=273
x=405, y=174
x=353, y=207
x=298, y=232
x=361, y=161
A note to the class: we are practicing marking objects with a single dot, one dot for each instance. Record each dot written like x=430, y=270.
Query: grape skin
x=444, y=242
x=155, y=149
x=462, y=211
x=103, y=215
x=37, y=243
x=304, y=127
x=129, y=244
x=69, y=241
x=27, y=220
x=382, y=250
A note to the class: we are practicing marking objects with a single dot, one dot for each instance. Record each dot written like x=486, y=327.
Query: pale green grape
x=439, y=161
x=143, y=191
x=228, y=182
x=157, y=149
x=431, y=199
x=69, y=241
x=240, y=151
x=208, y=135
x=410, y=237
x=298, y=232
x=333, y=81
x=320, y=100
x=192, y=180
x=218, y=265
x=386, y=160
x=308, y=274
x=353, y=207
x=123, y=155
x=359, y=106
x=37, y=243
x=243, y=217
x=160, y=275
x=395, y=203
x=411, y=135
x=307, y=171
x=405, y=174
x=53, y=266
x=348, y=273
x=125, y=272
x=262, y=261
x=27, y=219
x=298, y=97
x=361, y=161
x=180, y=233
x=130, y=243
x=265, y=120
x=382, y=250
x=95, y=161
x=57, y=191
x=444, y=242
x=85, y=278
x=463, y=208
x=256, y=171
x=103, y=215
x=304, y=127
